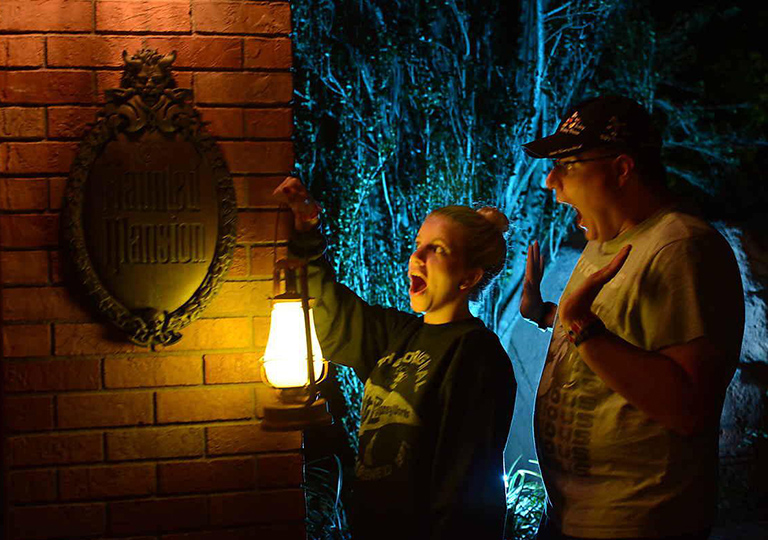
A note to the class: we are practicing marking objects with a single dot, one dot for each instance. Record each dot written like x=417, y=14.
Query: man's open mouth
x=578, y=218
x=418, y=284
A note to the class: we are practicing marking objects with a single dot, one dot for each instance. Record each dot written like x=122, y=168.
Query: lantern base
x=292, y=416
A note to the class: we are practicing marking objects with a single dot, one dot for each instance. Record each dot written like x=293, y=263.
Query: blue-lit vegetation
x=403, y=106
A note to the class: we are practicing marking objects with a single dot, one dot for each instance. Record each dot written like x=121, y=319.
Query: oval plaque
x=149, y=216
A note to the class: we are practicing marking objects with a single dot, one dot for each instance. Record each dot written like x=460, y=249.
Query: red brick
x=26, y=340
x=201, y=52
x=241, y=298
x=48, y=375
x=231, y=368
x=241, y=191
x=22, y=122
x=248, y=439
x=241, y=17
x=243, y=88
x=281, y=470
x=56, y=188
x=41, y=304
x=91, y=338
x=261, y=331
x=143, y=371
x=258, y=157
x=264, y=507
x=46, y=87
x=155, y=443
x=268, y=53
x=55, y=449
x=23, y=194
x=70, y=122
x=83, y=483
x=263, y=259
x=20, y=51
x=142, y=16
x=32, y=486
x=90, y=51
x=46, y=15
x=213, y=334
x=269, y=123
x=29, y=413
x=57, y=276
x=106, y=80
x=224, y=123
x=37, y=157
x=132, y=517
x=266, y=396
x=260, y=190
x=239, y=266
x=260, y=226
x=59, y=521
x=104, y=409
x=24, y=267
x=206, y=476
x=29, y=231
x=220, y=403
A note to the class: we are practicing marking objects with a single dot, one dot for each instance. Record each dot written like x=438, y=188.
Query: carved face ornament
x=148, y=73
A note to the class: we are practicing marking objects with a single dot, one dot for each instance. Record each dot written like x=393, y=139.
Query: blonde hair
x=485, y=244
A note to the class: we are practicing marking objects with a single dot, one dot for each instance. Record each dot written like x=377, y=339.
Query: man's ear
x=471, y=279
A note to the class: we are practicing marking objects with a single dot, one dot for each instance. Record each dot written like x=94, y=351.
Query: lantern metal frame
x=300, y=407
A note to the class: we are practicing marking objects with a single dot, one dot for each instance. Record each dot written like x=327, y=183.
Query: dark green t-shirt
x=436, y=411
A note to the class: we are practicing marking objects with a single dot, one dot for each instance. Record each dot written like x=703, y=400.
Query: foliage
x=525, y=501
x=326, y=518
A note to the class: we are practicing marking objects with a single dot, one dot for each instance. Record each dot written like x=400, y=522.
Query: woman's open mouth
x=579, y=222
x=418, y=284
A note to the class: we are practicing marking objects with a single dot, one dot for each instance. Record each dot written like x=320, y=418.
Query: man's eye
x=439, y=250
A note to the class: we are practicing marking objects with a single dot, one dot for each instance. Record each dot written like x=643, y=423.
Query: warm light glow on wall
x=285, y=358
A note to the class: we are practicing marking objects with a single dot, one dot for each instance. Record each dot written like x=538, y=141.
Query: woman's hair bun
x=496, y=217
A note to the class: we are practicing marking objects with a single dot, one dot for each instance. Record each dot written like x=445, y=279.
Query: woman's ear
x=471, y=279
x=625, y=165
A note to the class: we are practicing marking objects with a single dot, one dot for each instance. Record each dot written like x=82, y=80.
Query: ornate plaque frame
x=148, y=101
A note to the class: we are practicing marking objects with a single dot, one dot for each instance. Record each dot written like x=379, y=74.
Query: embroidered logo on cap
x=572, y=126
x=614, y=131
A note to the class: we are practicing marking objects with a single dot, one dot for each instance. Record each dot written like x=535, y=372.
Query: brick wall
x=102, y=439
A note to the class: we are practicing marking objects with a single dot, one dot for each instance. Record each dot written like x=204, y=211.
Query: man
x=645, y=340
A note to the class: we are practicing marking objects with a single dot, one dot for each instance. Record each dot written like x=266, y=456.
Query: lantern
x=293, y=362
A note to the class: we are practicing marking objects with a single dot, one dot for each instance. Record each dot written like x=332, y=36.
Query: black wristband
x=581, y=332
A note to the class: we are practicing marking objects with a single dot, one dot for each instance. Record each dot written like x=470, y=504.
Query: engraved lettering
x=152, y=243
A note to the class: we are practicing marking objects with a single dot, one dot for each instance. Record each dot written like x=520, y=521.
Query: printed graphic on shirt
x=381, y=408
x=411, y=368
x=566, y=411
x=388, y=405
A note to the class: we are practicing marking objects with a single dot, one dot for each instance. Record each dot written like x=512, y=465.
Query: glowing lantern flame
x=285, y=358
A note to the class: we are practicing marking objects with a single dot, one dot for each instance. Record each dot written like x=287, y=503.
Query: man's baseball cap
x=605, y=121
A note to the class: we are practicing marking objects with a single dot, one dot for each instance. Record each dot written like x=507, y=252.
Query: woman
x=439, y=389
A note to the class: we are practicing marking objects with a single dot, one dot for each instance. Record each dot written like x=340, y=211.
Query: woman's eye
x=439, y=250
